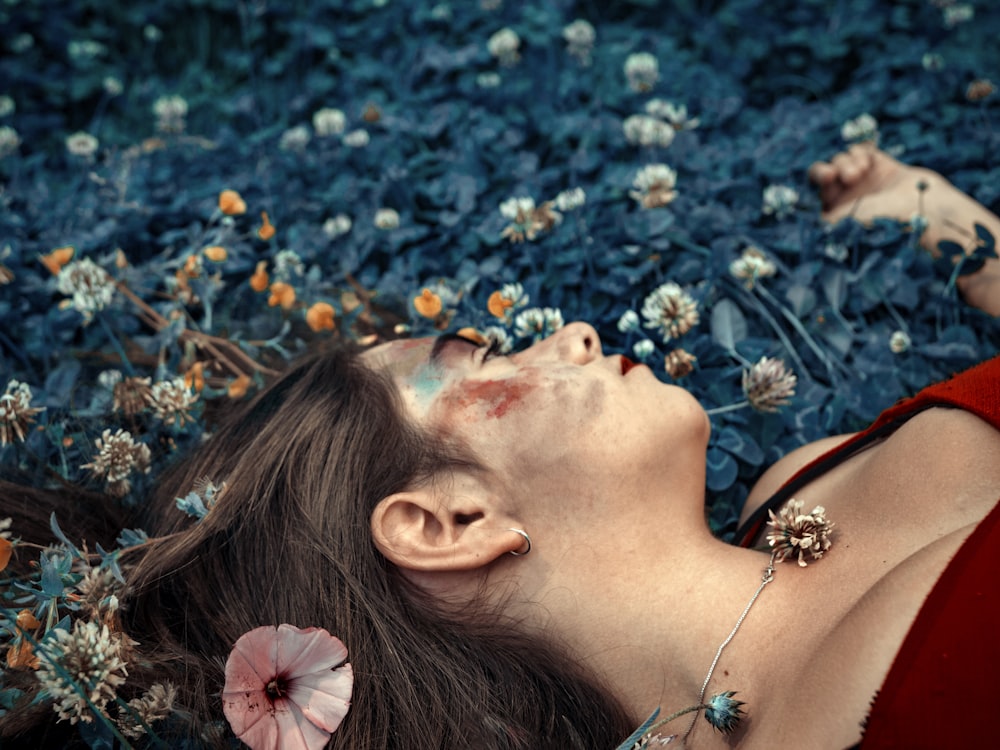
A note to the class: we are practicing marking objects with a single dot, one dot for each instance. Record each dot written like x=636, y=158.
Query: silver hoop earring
x=526, y=539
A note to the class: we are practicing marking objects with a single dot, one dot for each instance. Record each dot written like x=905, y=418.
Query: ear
x=424, y=530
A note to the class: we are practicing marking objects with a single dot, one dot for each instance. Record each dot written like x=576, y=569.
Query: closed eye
x=493, y=350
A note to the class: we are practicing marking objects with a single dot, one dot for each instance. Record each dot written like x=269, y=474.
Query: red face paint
x=496, y=396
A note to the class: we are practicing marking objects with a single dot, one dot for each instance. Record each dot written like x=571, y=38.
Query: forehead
x=399, y=358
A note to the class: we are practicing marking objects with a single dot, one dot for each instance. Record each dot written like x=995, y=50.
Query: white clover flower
x=82, y=144
x=5, y=524
x=654, y=186
x=109, y=379
x=295, y=139
x=642, y=71
x=16, y=412
x=538, y=322
x=90, y=288
x=645, y=130
x=328, y=121
x=85, y=49
x=579, y=36
x=171, y=401
x=170, y=112
x=9, y=141
x=679, y=363
x=517, y=209
x=387, y=218
x=514, y=293
x=7, y=105
x=864, y=127
x=112, y=86
x=488, y=80
x=288, y=264
x=579, y=33
x=118, y=455
x=956, y=14
x=932, y=62
x=798, y=532
x=337, y=226
x=570, y=200
x=753, y=264
x=500, y=336
x=90, y=658
x=899, y=342
x=151, y=33
x=643, y=349
x=675, y=114
x=780, y=200
x=358, y=138
x=156, y=704
x=628, y=322
x=670, y=310
x=767, y=385
x=504, y=46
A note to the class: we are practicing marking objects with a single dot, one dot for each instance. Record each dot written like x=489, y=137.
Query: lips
x=627, y=364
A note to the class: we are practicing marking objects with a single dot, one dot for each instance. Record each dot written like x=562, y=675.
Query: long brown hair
x=304, y=464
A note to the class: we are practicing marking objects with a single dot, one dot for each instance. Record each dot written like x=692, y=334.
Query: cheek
x=492, y=399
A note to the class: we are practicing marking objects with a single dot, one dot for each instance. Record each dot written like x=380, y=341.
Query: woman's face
x=559, y=418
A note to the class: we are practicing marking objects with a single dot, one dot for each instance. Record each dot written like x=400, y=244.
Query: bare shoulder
x=779, y=472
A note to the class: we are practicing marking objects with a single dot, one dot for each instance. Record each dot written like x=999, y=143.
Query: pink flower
x=286, y=688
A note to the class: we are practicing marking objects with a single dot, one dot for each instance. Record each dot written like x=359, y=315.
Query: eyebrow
x=442, y=342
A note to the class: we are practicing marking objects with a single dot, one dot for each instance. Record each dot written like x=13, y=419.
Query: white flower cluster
x=796, y=532
x=90, y=288
x=500, y=336
x=670, y=310
x=87, y=658
x=958, y=13
x=171, y=113
x=570, y=200
x=752, y=265
x=16, y=412
x=329, y=121
x=288, y=265
x=9, y=141
x=527, y=220
x=675, y=114
x=387, y=218
x=504, y=45
x=900, y=342
x=82, y=145
x=654, y=186
x=864, y=127
x=579, y=36
x=767, y=385
x=780, y=200
x=7, y=105
x=337, y=226
x=118, y=455
x=538, y=322
x=646, y=130
x=171, y=401
x=642, y=71
x=295, y=139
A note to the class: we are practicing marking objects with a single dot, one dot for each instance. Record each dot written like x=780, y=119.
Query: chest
x=902, y=508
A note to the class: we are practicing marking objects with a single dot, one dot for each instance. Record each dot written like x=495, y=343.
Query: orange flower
x=472, y=335
x=195, y=377
x=6, y=548
x=282, y=294
x=266, y=230
x=427, y=304
x=498, y=305
x=192, y=266
x=21, y=655
x=58, y=258
x=216, y=253
x=27, y=621
x=260, y=279
x=238, y=388
x=231, y=203
x=319, y=317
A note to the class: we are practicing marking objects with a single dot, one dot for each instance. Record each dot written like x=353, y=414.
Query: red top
x=940, y=689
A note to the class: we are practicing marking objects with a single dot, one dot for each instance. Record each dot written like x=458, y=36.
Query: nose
x=576, y=342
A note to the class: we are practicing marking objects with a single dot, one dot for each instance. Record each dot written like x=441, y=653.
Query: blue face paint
x=427, y=381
